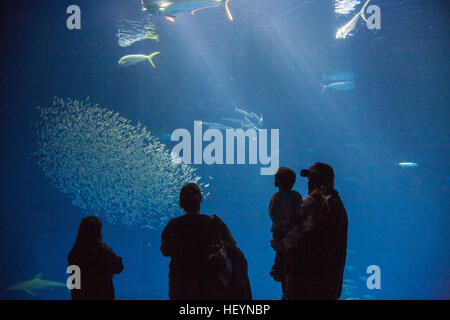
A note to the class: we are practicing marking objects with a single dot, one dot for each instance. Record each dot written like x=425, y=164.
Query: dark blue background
x=269, y=60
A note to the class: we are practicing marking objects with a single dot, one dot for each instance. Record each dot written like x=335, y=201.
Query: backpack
x=227, y=268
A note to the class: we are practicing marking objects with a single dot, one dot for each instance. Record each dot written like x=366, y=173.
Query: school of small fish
x=131, y=31
x=109, y=167
x=345, y=6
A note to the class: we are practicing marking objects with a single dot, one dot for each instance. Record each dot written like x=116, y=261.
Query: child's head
x=284, y=178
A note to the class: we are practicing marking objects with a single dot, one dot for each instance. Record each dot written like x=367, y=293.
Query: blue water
x=271, y=60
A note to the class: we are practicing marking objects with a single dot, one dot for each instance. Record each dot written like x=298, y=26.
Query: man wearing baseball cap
x=318, y=244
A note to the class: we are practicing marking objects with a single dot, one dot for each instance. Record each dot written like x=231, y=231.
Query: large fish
x=339, y=86
x=345, y=30
x=339, y=76
x=133, y=59
x=215, y=125
x=244, y=125
x=238, y=121
x=169, y=8
x=37, y=284
x=250, y=116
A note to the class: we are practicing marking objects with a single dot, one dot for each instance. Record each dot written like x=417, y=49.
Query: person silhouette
x=195, y=243
x=97, y=262
x=282, y=211
x=317, y=244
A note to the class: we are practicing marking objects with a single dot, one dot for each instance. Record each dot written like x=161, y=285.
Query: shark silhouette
x=37, y=284
x=169, y=8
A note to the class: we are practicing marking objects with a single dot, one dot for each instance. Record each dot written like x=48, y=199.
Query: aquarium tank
x=109, y=107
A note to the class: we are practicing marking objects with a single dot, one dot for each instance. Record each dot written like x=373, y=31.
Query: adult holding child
x=317, y=244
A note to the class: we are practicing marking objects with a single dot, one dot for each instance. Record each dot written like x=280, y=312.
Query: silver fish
x=348, y=27
x=169, y=8
x=132, y=59
x=250, y=116
x=238, y=121
x=339, y=76
x=408, y=164
x=215, y=125
x=339, y=86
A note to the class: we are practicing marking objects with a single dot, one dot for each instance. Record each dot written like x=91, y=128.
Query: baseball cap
x=319, y=170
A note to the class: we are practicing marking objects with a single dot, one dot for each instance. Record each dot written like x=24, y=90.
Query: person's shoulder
x=176, y=220
x=104, y=250
x=208, y=217
x=189, y=218
x=276, y=195
x=216, y=218
x=200, y=216
x=173, y=222
x=296, y=194
x=335, y=200
x=335, y=193
x=333, y=196
x=103, y=246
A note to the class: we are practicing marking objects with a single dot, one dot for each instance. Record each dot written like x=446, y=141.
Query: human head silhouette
x=319, y=174
x=190, y=198
x=90, y=231
x=285, y=178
